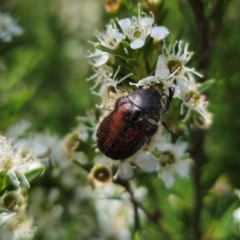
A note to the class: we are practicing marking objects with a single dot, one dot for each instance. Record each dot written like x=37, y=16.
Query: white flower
x=104, y=76
x=125, y=170
x=143, y=159
x=17, y=227
x=172, y=159
x=13, y=162
x=172, y=64
x=195, y=102
x=8, y=28
x=14, y=224
x=170, y=67
x=101, y=73
x=36, y=144
x=138, y=28
x=112, y=38
x=159, y=32
x=236, y=215
x=115, y=212
x=18, y=130
x=98, y=58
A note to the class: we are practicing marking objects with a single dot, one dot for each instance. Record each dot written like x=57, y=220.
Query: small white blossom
x=8, y=28
x=112, y=38
x=125, y=170
x=14, y=224
x=236, y=215
x=138, y=28
x=13, y=162
x=104, y=76
x=98, y=58
x=115, y=213
x=197, y=103
x=18, y=130
x=101, y=73
x=159, y=32
x=145, y=160
x=17, y=227
x=36, y=144
x=172, y=64
x=172, y=159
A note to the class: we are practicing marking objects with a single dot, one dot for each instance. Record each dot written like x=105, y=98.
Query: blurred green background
x=44, y=71
x=43, y=78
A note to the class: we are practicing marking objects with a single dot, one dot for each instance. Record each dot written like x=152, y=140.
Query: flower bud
x=13, y=201
x=112, y=6
x=202, y=121
x=72, y=141
x=100, y=175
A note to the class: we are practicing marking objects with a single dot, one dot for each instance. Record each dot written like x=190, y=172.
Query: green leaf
x=32, y=174
x=111, y=51
x=132, y=62
x=9, y=180
x=205, y=85
x=3, y=180
x=147, y=46
x=118, y=26
x=125, y=44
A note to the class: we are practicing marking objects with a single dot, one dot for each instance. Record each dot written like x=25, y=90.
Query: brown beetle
x=133, y=121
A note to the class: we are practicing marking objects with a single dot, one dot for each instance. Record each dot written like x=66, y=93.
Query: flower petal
x=101, y=60
x=168, y=179
x=101, y=159
x=182, y=168
x=118, y=35
x=146, y=161
x=162, y=70
x=236, y=215
x=144, y=82
x=125, y=170
x=146, y=21
x=137, y=43
x=159, y=32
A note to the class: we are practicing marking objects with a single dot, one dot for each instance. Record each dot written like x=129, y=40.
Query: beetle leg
x=166, y=126
x=167, y=105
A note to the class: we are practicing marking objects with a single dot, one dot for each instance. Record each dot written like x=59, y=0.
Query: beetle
x=133, y=121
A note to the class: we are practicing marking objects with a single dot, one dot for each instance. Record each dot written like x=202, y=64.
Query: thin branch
x=152, y=217
x=199, y=157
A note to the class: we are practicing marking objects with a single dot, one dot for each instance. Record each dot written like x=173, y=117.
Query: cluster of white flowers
x=115, y=212
x=14, y=223
x=8, y=28
x=31, y=152
x=132, y=31
x=14, y=165
x=120, y=60
x=47, y=206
